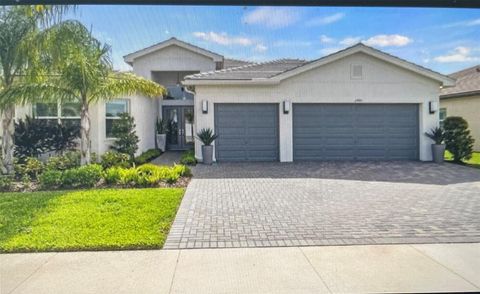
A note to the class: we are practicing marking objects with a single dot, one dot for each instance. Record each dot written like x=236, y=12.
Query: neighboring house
x=357, y=104
x=464, y=100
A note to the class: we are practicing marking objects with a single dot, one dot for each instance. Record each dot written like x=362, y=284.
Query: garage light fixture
x=433, y=107
x=286, y=107
x=204, y=106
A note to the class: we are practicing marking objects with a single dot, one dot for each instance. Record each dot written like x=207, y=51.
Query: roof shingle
x=263, y=70
x=468, y=83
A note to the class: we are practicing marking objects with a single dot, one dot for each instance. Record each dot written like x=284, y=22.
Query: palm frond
x=118, y=84
x=25, y=93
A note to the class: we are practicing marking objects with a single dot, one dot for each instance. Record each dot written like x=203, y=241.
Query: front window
x=113, y=109
x=442, y=115
x=62, y=113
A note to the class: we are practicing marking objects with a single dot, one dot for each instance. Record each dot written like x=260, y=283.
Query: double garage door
x=249, y=132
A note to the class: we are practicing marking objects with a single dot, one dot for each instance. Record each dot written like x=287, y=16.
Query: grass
x=473, y=162
x=87, y=220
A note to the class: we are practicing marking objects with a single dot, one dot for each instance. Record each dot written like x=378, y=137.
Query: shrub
x=145, y=175
x=31, y=169
x=66, y=161
x=188, y=158
x=84, y=176
x=51, y=179
x=126, y=137
x=112, y=158
x=5, y=183
x=112, y=175
x=34, y=137
x=457, y=138
x=129, y=177
x=147, y=156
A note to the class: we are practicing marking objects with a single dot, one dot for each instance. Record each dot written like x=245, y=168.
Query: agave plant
x=206, y=136
x=437, y=135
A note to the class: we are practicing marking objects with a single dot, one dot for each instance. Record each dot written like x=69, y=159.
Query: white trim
x=129, y=58
x=444, y=80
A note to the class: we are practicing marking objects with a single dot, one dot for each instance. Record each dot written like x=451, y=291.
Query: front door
x=179, y=127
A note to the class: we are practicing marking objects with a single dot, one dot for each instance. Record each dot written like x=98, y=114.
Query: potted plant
x=161, y=136
x=438, y=148
x=206, y=136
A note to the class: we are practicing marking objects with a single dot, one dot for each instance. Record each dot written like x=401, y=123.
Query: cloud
x=388, y=41
x=325, y=20
x=223, y=39
x=272, y=17
x=459, y=54
x=349, y=41
x=465, y=23
x=260, y=48
x=324, y=39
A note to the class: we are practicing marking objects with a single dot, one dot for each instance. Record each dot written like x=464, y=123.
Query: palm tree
x=19, y=29
x=82, y=73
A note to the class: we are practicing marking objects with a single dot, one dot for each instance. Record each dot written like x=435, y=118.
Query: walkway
x=327, y=269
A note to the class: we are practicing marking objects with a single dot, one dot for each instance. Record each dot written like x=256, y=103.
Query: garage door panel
x=355, y=131
x=247, y=132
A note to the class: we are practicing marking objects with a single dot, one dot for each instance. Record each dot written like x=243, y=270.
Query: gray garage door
x=355, y=131
x=246, y=132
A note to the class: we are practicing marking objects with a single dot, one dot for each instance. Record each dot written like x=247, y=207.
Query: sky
x=445, y=40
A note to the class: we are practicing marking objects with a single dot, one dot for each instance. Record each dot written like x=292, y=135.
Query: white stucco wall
x=331, y=83
x=172, y=58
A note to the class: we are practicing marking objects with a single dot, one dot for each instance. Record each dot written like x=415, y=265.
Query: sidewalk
x=375, y=268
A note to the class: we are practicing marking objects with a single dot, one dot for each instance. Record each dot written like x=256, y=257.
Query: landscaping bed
x=474, y=161
x=104, y=219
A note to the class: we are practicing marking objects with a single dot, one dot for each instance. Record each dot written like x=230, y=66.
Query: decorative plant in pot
x=206, y=136
x=161, y=136
x=438, y=148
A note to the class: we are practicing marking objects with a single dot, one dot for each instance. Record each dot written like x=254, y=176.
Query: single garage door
x=246, y=132
x=355, y=131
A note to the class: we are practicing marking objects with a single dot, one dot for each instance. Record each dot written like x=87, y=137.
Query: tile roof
x=229, y=62
x=262, y=70
x=468, y=83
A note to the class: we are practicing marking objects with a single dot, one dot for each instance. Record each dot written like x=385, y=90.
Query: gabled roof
x=129, y=58
x=468, y=83
x=276, y=71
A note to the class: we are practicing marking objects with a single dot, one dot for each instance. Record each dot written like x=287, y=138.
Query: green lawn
x=87, y=220
x=474, y=161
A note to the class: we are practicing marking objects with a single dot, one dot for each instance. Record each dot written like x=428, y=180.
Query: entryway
x=180, y=132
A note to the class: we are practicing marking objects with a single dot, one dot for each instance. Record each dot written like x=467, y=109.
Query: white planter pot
x=161, y=141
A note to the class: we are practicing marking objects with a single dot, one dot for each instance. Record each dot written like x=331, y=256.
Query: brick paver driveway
x=289, y=204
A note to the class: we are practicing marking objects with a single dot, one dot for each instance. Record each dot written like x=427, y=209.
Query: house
x=357, y=104
x=464, y=100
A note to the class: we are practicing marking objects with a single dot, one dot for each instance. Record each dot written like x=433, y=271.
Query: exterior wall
x=469, y=109
x=331, y=83
x=172, y=58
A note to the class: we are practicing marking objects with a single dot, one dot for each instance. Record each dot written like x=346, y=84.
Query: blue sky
x=445, y=40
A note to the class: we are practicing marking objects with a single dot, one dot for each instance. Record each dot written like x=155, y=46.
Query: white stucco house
x=357, y=104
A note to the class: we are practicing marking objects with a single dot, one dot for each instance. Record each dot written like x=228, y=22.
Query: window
x=63, y=113
x=112, y=111
x=442, y=115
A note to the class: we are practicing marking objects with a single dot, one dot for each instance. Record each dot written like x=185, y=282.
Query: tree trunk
x=8, y=127
x=84, y=133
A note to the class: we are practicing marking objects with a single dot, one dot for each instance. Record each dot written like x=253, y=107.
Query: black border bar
x=376, y=3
